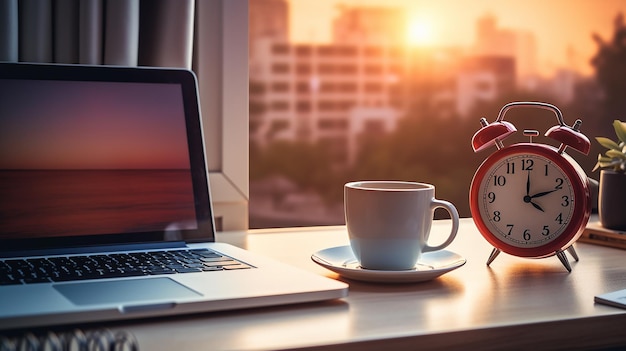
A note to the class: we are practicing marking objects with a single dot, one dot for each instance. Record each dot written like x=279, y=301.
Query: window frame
x=221, y=63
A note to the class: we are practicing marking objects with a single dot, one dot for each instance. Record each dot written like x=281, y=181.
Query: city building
x=269, y=19
x=381, y=26
x=368, y=77
x=483, y=78
x=317, y=92
x=491, y=40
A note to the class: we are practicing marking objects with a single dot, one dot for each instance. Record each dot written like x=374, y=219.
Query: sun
x=420, y=32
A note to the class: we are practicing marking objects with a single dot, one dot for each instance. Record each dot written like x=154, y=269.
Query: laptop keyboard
x=67, y=268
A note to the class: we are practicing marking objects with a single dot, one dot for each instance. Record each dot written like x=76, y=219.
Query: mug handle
x=454, y=215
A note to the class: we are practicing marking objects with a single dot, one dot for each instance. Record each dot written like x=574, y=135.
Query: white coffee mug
x=389, y=222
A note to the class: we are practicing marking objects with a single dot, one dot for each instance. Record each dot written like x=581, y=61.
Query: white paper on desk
x=615, y=298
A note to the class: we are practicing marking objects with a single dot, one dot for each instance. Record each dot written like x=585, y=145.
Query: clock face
x=529, y=203
x=527, y=200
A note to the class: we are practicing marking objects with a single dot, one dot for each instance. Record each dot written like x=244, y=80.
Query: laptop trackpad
x=124, y=291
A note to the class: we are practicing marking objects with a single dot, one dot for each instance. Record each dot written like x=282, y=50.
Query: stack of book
x=595, y=233
x=61, y=340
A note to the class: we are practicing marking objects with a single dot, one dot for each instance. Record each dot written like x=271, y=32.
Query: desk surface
x=515, y=301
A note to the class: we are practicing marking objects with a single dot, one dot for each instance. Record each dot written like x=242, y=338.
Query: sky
x=559, y=25
x=86, y=125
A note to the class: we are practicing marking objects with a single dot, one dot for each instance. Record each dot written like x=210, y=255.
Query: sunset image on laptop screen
x=82, y=158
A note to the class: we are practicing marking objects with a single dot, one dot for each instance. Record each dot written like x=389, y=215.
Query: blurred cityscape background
x=355, y=90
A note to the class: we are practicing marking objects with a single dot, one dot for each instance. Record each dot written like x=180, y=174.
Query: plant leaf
x=616, y=154
x=620, y=130
x=601, y=160
x=610, y=164
x=608, y=143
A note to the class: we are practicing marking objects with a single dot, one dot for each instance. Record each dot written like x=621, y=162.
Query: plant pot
x=612, y=200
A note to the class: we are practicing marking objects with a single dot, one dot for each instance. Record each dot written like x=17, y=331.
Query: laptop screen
x=92, y=155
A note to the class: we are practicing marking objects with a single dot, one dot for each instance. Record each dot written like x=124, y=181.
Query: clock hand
x=537, y=206
x=529, y=199
x=543, y=193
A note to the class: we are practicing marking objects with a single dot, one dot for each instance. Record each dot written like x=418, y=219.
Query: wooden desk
x=514, y=304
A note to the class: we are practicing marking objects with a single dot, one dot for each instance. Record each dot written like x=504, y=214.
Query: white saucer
x=341, y=260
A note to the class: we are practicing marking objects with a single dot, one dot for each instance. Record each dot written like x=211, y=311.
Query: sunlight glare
x=420, y=32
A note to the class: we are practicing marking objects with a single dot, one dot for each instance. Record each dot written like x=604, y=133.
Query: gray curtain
x=109, y=32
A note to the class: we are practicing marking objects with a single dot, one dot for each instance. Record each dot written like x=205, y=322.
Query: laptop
x=105, y=209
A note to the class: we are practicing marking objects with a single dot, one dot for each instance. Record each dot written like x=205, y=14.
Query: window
x=326, y=68
x=280, y=68
x=303, y=87
x=373, y=69
x=326, y=105
x=347, y=87
x=327, y=87
x=280, y=49
x=347, y=51
x=326, y=51
x=345, y=105
x=373, y=87
x=257, y=88
x=347, y=69
x=333, y=124
x=303, y=69
x=303, y=106
x=303, y=50
x=279, y=125
x=280, y=87
x=365, y=102
x=280, y=106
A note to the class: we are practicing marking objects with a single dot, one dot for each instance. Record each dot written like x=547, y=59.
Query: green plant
x=615, y=157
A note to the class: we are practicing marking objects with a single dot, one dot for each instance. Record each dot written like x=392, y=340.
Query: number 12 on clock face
x=527, y=200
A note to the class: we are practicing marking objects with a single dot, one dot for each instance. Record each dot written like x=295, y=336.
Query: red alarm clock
x=530, y=199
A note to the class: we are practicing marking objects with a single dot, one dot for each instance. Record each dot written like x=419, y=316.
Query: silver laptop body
x=106, y=166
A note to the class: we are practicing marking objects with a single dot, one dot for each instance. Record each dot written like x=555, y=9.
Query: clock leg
x=572, y=251
x=561, y=255
x=493, y=255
